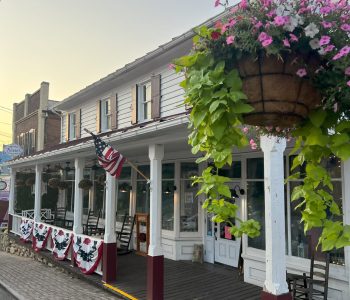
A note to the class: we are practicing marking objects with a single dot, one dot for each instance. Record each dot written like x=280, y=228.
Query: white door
x=226, y=246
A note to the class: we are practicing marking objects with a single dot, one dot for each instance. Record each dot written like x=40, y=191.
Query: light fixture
x=144, y=189
x=68, y=168
x=234, y=193
x=168, y=190
x=124, y=188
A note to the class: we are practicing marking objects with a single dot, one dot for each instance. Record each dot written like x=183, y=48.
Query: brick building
x=35, y=126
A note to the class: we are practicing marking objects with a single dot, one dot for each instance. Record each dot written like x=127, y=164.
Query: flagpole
x=130, y=163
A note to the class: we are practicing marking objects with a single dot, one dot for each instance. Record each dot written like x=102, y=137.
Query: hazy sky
x=73, y=43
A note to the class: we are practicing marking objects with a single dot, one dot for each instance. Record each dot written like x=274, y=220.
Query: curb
x=11, y=291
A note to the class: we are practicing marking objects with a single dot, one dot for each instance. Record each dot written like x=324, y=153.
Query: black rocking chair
x=124, y=235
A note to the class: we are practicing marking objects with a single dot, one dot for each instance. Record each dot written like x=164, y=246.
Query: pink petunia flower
x=245, y=129
x=293, y=37
x=271, y=13
x=279, y=21
x=326, y=24
x=215, y=35
x=324, y=40
x=230, y=39
x=171, y=66
x=347, y=71
x=217, y=3
x=348, y=83
x=232, y=23
x=345, y=27
x=329, y=48
x=243, y=4
x=262, y=36
x=258, y=24
x=301, y=72
x=267, y=42
x=286, y=43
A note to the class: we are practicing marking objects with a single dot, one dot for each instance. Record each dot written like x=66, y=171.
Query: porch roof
x=166, y=129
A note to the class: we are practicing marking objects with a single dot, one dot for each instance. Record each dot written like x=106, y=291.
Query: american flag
x=110, y=159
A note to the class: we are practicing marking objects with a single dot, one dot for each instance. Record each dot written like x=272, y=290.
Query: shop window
x=142, y=190
x=168, y=188
x=302, y=244
x=144, y=100
x=188, y=198
x=106, y=115
x=123, y=193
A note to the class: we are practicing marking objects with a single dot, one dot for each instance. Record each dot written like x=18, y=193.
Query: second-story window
x=144, y=101
x=106, y=115
x=72, y=126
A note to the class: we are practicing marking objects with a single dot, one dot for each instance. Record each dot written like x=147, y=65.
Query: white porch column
x=155, y=258
x=275, y=282
x=79, y=164
x=37, y=202
x=12, y=191
x=110, y=237
x=346, y=212
x=156, y=154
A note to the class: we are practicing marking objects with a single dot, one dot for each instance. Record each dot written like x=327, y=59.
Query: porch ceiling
x=133, y=144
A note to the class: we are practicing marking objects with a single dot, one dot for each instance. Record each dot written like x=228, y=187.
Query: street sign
x=13, y=149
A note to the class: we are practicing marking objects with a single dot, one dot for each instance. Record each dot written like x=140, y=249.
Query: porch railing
x=45, y=213
x=16, y=223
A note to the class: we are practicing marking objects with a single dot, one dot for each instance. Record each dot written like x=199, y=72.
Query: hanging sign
x=13, y=149
x=4, y=157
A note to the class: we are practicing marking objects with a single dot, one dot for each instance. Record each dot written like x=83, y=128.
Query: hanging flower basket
x=62, y=185
x=280, y=97
x=30, y=181
x=46, y=177
x=53, y=183
x=85, y=184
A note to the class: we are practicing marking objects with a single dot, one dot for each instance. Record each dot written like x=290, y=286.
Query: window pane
x=303, y=245
x=189, y=169
x=168, y=205
x=145, y=169
x=142, y=197
x=255, y=168
x=168, y=171
x=123, y=198
x=256, y=211
x=188, y=207
x=333, y=166
x=125, y=173
x=233, y=171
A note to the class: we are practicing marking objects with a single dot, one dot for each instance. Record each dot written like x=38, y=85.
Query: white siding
x=172, y=97
x=63, y=128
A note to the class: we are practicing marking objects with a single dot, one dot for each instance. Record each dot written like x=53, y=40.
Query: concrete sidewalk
x=30, y=280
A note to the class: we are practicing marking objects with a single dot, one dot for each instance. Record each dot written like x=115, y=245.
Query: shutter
x=114, y=111
x=98, y=116
x=67, y=127
x=134, y=104
x=155, y=92
x=78, y=123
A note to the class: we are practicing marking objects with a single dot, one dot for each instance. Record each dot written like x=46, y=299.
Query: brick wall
x=34, y=102
x=52, y=130
x=26, y=124
x=19, y=111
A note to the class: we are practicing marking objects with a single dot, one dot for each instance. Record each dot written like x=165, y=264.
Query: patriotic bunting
x=61, y=241
x=40, y=234
x=26, y=229
x=87, y=253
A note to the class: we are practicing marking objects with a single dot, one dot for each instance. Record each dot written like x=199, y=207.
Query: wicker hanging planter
x=279, y=96
x=53, y=183
x=85, y=184
x=62, y=185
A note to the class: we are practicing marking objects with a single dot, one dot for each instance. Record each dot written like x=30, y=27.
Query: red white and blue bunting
x=87, y=253
x=40, y=234
x=61, y=241
x=26, y=229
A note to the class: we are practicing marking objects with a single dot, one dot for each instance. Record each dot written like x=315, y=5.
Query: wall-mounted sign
x=3, y=185
x=4, y=157
x=13, y=150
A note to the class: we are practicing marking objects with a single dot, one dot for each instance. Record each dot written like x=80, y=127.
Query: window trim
x=106, y=118
x=141, y=103
x=72, y=126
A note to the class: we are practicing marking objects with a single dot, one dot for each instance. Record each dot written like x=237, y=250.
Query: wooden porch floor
x=184, y=280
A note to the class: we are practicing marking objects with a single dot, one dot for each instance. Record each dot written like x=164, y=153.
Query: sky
x=73, y=43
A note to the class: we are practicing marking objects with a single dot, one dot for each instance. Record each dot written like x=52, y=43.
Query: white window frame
x=106, y=114
x=143, y=103
x=72, y=126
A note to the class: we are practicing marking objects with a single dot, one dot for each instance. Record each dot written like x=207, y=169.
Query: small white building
x=139, y=110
